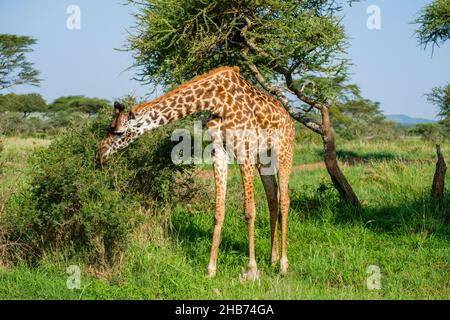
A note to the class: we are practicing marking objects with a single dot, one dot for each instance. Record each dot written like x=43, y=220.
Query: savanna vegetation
x=133, y=239
x=139, y=226
x=31, y=116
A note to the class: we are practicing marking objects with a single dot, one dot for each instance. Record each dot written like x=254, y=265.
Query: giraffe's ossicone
x=246, y=123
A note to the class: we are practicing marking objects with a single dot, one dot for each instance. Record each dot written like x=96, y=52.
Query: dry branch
x=437, y=190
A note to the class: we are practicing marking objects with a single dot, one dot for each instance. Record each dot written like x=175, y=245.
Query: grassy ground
x=330, y=246
x=13, y=162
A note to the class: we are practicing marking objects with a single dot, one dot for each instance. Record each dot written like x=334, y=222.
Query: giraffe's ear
x=118, y=107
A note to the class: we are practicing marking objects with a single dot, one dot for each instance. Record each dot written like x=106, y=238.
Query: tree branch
x=277, y=92
x=299, y=93
x=287, y=73
x=299, y=115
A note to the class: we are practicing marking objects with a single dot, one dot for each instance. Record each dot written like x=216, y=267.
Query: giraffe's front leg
x=220, y=175
x=283, y=177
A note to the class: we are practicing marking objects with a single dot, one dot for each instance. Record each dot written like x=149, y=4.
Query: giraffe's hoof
x=211, y=273
x=284, y=266
x=274, y=260
x=252, y=274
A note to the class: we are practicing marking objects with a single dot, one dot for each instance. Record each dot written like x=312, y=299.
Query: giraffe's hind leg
x=284, y=172
x=271, y=188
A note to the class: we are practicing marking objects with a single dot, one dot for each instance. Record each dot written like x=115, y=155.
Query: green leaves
x=79, y=104
x=434, y=23
x=14, y=68
x=89, y=209
x=175, y=40
x=440, y=97
x=23, y=103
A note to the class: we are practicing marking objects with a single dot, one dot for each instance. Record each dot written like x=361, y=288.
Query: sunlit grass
x=330, y=246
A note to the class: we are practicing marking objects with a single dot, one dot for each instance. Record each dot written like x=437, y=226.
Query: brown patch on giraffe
x=226, y=83
x=209, y=93
x=165, y=107
x=199, y=92
x=232, y=89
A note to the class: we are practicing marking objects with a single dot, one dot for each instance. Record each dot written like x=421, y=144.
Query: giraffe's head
x=119, y=135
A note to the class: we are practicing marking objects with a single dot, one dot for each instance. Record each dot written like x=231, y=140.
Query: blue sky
x=388, y=64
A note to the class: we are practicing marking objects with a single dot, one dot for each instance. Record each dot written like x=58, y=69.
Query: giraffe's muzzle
x=99, y=158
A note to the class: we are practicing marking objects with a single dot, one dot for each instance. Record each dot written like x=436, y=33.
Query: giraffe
x=235, y=106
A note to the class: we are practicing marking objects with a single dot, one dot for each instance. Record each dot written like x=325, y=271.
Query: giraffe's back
x=255, y=121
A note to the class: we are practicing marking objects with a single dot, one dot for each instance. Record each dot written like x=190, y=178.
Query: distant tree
x=440, y=97
x=82, y=104
x=430, y=131
x=14, y=67
x=4, y=103
x=64, y=119
x=23, y=103
x=36, y=124
x=289, y=48
x=434, y=23
x=359, y=118
x=12, y=123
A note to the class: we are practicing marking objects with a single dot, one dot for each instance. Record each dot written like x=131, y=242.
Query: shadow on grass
x=422, y=214
x=353, y=157
x=195, y=239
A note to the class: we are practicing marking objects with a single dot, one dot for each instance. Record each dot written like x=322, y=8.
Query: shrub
x=66, y=119
x=88, y=209
x=430, y=131
x=1, y=160
x=69, y=202
x=12, y=123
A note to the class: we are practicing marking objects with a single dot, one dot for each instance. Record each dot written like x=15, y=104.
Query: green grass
x=13, y=163
x=409, y=149
x=330, y=246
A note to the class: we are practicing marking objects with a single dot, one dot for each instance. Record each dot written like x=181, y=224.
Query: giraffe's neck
x=211, y=93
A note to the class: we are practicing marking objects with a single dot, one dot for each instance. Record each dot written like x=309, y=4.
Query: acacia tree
x=293, y=49
x=24, y=103
x=82, y=104
x=440, y=97
x=14, y=67
x=360, y=117
x=434, y=23
x=434, y=28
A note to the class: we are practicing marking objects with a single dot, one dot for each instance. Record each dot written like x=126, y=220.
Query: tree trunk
x=340, y=182
x=437, y=191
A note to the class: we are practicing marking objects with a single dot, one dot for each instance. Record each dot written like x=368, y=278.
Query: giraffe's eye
x=113, y=131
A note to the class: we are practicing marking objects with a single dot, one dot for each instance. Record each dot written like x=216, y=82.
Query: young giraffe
x=236, y=106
